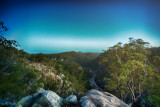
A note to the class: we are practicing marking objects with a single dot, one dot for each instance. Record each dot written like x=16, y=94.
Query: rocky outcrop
x=41, y=99
x=96, y=98
x=93, y=98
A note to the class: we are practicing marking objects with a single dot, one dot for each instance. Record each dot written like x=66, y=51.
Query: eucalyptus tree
x=129, y=68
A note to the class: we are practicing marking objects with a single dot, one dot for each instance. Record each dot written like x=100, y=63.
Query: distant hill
x=77, y=57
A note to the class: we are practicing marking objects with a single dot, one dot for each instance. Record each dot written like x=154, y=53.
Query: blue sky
x=51, y=27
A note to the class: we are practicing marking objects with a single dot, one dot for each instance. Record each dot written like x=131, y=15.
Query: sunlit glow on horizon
x=51, y=43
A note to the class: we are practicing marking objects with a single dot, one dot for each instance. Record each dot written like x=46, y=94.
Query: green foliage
x=51, y=83
x=79, y=83
x=130, y=69
x=153, y=90
x=18, y=81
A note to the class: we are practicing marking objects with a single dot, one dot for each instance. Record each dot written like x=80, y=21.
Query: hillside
x=76, y=57
x=23, y=74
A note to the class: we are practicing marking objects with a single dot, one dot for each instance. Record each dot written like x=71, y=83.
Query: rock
x=41, y=99
x=101, y=99
x=93, y=98
x=72, y=99
x=86, y=102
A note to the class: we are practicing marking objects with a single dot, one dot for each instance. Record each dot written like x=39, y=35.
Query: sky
x=86, y=26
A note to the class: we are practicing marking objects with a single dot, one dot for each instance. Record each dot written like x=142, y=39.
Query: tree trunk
x=131, y=89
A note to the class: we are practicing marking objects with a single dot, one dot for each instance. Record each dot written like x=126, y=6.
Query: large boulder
x=101, y=99
x=41, y=99
x=72, y=99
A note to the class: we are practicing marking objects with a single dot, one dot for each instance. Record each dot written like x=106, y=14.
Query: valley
x=129, y=71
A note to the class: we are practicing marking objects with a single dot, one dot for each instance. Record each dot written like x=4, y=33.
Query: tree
x=5, y=46
x=3, y=40
x=129, y=68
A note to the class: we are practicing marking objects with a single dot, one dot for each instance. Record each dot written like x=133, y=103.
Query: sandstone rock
x=101, y=99
x=41, y=99
x=71, y=99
